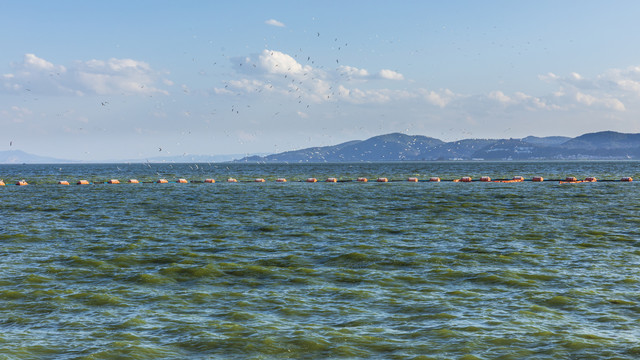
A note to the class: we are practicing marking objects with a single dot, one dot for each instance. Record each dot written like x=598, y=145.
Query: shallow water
x=297, y=270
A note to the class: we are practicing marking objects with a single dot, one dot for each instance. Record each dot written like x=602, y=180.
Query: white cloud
x=390, y=75
x=440, y=99
x=113, y=76
x=274, y=22
x=604, y=91
x=500, y=97
x=607, y=102
x=273, y=71
x=16, y=114
x=353, y=71
x=33, y=62
x=276, y=62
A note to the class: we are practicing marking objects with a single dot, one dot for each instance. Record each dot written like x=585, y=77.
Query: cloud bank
x=101, y=77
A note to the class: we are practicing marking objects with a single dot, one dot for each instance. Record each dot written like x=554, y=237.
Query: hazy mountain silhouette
x=400, y=147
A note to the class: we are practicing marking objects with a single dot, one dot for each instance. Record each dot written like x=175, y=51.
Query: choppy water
x=347, y=271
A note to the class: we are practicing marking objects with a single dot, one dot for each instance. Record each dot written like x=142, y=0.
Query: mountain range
x=605, y=145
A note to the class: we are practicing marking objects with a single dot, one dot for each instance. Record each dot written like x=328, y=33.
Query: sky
x=102, y=81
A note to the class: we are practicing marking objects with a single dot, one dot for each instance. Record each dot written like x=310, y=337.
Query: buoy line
x=412, y=179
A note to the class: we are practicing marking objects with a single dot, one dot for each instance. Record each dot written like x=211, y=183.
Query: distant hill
x=189, y=158
x=546, y=141
x=603, y=140
x=604, y=145
x=400, y=147
x=21, y=157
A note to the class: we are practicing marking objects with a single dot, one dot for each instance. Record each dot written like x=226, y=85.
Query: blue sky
x=121, y=80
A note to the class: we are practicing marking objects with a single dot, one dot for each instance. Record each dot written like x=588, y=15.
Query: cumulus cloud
x=273, y=71
x=607, y=102
x=390, y=75
x=438, y=98
x=103, y=77
x=499, y=96
x=353, y=71
x=274, y=22
x=604, y=91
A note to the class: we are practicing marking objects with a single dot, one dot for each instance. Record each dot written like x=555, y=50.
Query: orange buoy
x=571, y=179
x=434, y=179
x=362, y=179
x=182, y=181
x=412, y=179
x=259, y=180
x=82, y=182
x=281, y=180
x=22, y=183
x=331, y=180
x=232, y=180
x=209, y=181
x=162, y=181
x=465, y=179
x=312, y=180
x=382, y=179
x=63, y=182
x=485, y=179
x=537, y=179
x=518, y=178
x=2, y=183
x=590, y=179
x=133, y=181
x=626, y=179
x=113, y=181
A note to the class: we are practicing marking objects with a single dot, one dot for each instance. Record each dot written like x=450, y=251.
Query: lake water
x=299, y=270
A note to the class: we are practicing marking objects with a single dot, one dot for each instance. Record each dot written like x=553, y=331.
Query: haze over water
x=325, y=270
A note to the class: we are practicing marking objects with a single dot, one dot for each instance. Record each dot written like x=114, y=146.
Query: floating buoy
x=63, y=182
x=514, y=179
x=133, y=181
x=232, y=180
x=626, y=179
x=162, y=181
x=485, y=179
x=331, y=180
x=259, y=180
x=537, y=179
x=82, y=182
x=590, y=179
x=465, y=179
x=412, y=179
x=22, y=183
x=209, y=181
x=571, y=180
x=281, y=180
x=182, y=181
x=362, y=179
x=382, y=179
x=113, y=181
x=312, y=180
x=2, y=183
x=434, y=179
